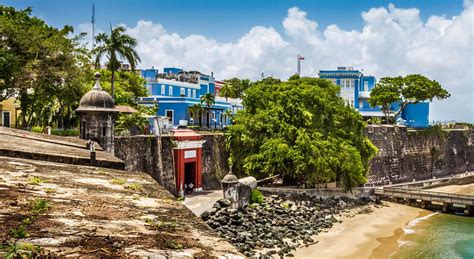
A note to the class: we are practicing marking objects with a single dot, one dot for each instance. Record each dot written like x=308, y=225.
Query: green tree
x=195, y=112
x=208, y=99
x=227, y=91
x=405, y=90
x=302, y=130
x=44, y=66
x=237, y=86
x=135, y=122
x=116, y=47
x=128, y=86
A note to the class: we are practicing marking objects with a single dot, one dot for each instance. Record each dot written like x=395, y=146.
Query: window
x=182, y=91
x=170, y=115
x=194, y=93
x=163, y=90
x=366, y=86
x=149, y=88
x=213, y=115
x=6, y=120
x=361, y=105
x=170, y=90
x=189, y=93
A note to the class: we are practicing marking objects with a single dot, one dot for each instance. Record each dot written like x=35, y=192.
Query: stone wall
x=140, y=154
x=407, y=155
x=324, y=193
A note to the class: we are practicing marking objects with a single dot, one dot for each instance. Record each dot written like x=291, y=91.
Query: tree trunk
x=112, y=83
x=208, y=117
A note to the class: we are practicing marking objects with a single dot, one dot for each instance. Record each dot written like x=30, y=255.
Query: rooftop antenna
x=93, y=26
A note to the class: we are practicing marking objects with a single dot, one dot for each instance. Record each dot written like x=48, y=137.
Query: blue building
x=176, y=90
x=355, y=90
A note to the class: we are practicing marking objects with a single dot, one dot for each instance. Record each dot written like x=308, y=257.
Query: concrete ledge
x=297, y=194
x=61, y=159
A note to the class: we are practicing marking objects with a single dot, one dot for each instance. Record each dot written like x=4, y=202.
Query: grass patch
x=19, y=232
x=118, y=181
x=256, y=197
x=162, y=225
x=285, y=205
x=39, y=205
x=173, y=244
x=36, y=180
x=20, y=250
x=50, y=190
x=134, y=187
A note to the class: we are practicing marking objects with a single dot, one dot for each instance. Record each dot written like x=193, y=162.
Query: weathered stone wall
x=147, y=154
x=407, y=155
x=300, y=194
x=140, y=154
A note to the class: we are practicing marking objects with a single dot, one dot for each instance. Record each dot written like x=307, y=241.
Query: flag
x=300, y=57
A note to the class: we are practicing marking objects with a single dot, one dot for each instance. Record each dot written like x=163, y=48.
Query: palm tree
x=208, y=99
x=193, y=110
x=116, y=47
x=227, y=91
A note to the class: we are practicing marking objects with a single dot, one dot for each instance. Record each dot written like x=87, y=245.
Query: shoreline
x=372, y=235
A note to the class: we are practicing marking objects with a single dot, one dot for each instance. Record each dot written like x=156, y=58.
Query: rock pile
x=276, y=226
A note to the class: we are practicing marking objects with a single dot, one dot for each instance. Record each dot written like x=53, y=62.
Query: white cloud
x=393, y=41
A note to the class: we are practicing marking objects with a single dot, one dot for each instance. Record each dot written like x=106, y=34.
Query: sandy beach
x=362, y=236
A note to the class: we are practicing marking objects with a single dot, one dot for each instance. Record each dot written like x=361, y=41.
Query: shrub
x=134, y=187
x=35, y=180
x=20, y=250
x=37, y=129
x=20, y=232
x=256, y=197
x=39, y=205
x=65, y=132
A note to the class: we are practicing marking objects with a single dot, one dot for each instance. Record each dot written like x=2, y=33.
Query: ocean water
x=436, y=236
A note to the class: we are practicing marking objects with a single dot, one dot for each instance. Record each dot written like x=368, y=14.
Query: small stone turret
x=97, y=116
x=238, y=191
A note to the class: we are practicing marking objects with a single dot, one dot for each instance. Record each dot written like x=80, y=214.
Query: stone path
x=99, y=212
x=199, y=202
x=69, y=150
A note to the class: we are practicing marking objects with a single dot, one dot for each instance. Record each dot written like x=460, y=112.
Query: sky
x=247, y=37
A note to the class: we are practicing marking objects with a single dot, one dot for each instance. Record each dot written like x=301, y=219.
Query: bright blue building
x=355, y=90
x=176, y=90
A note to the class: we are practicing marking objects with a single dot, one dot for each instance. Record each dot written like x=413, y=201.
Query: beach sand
x=372, y=235
x=456, y=189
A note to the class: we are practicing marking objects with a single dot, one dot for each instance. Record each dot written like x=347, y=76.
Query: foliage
x=137, y=120
x=405, y=90
x=65, y=132
x=134, y=187
x=117, y=47
x=36, y=180
x=128, y=86
x=208, y=99
x=173, y=244
x=44, y=66
x=118, y=181
x=20, y=232
x=39, y=205
x=20, y=250
x=256, y=196
x=235, y=87
x=435, y=130
x=302, y=130
x=37, y=129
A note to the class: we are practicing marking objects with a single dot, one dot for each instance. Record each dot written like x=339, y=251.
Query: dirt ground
x=69, y=210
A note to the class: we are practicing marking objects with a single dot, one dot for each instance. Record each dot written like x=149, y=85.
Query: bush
x=37, y=129
x=256, y=197
x=65, y=132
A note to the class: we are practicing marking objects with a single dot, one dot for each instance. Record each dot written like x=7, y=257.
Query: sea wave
x=409, y=228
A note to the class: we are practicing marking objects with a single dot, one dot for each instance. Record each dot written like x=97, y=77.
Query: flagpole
x=93, y=26
x=298, y=64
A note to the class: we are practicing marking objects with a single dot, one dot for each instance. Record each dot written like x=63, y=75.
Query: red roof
x=185, y=134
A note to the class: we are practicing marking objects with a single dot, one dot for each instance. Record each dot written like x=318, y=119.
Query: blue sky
x=223, y=20
x=247, y=37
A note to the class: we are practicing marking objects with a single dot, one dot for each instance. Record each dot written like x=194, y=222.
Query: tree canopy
x=409, y=89
x=43, y=66
x=302, y=130
x=234, y=87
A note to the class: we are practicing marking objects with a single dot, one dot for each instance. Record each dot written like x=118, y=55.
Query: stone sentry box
x=238, y=191
x=97, y=115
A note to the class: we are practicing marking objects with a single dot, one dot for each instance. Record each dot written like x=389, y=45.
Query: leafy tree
x=208, y=99
x=135, y=122
x=116, y=47
x=405, y=90
x=227, y=91
x=43, y=66
x=194, y=110
x=302, y=130
x=237, y=86
x=128, y=86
